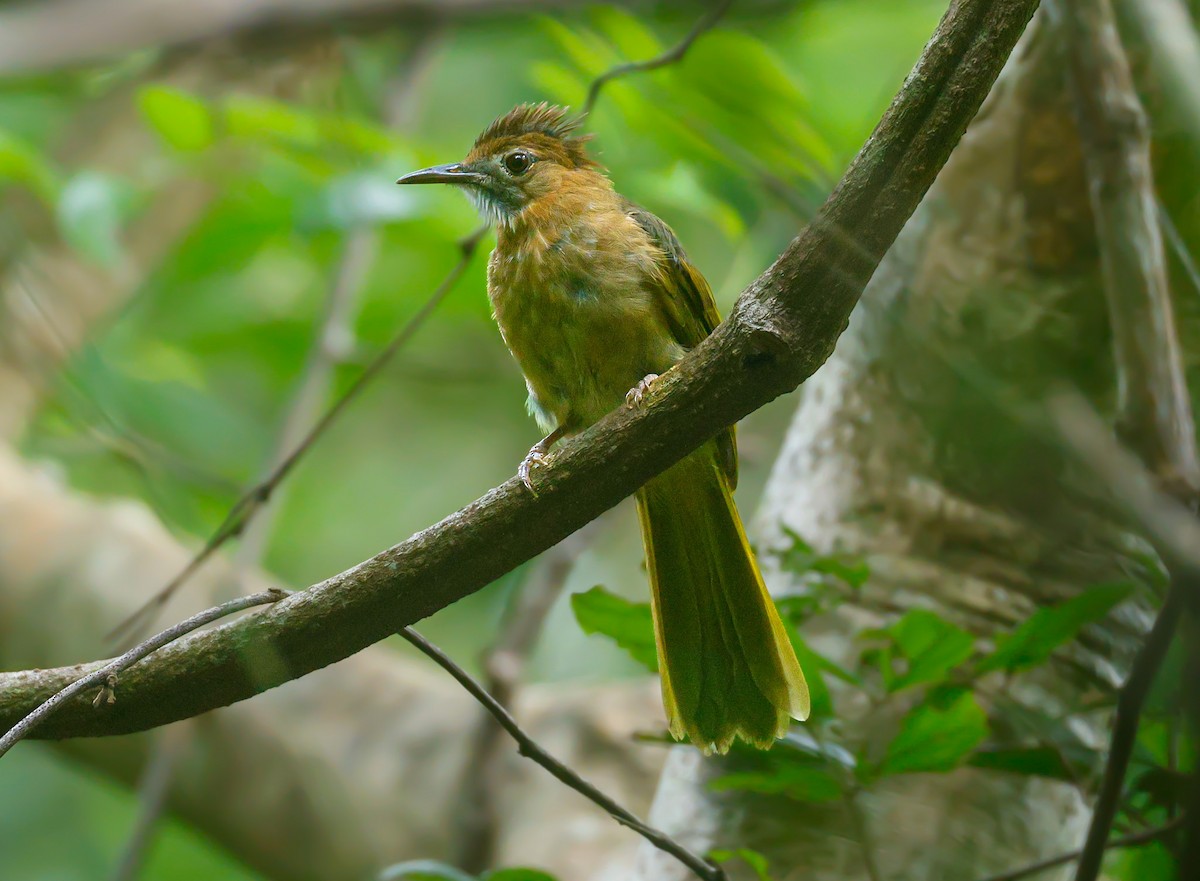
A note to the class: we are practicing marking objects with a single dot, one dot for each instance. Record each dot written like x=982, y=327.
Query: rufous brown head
x=527, y=154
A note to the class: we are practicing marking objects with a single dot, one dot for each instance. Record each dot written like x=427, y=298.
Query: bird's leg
x=537, y=455
x=633, y=397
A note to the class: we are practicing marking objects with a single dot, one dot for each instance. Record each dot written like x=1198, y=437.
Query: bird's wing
x=687, y=302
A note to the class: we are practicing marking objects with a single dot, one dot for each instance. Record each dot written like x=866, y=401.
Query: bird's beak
x=453, y=173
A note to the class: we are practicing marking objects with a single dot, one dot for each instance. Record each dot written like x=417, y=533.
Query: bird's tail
x=728, y=669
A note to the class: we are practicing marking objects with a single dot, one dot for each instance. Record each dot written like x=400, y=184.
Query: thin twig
x=504, y=666
x=333, y=342
x=1189, y=859
x=672, y=55
x=866, y=842
x=1134, y=840
x=529, y=748
x=1179, y=247
x=106, y=676
x=1130, y=701
x=1167, y=523
x=235, y=520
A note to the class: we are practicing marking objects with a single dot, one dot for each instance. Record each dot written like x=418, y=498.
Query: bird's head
x=529, y=153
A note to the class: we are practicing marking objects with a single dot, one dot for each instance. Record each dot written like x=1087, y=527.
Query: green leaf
x=1034, y=641
x=931, y=645
x=90, y=212
x=732, y=67
x=937, y=735
x=583, y=48
x=808, y=783
x=559, y=82
x=798, y=745
x=627, y=32
x=1029, y=761
x=628, y=624
x=853, y=572
x=262, y=119
x=183, y=121
x=751, y=858
x=518, y=875
x=423, y=870
x=21, y=163
x=800, y=558
x=1150, y=861
x=1027, y=740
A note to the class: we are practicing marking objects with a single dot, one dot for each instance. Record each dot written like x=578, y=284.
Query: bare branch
x=1130, y=701
x=782, y=329
x=1155, y=414
x=706, y=23
x=56, y=33
x=330, y=347
x=1154, y=409
x=106, y=675
x=1168, y=27
x=529, y=748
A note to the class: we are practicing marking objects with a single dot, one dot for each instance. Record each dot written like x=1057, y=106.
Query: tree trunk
x=907, y=449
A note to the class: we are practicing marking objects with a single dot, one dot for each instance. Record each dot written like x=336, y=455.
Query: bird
x=595, y=299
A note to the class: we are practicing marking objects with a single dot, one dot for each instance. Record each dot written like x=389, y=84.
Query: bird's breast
x=578, y=313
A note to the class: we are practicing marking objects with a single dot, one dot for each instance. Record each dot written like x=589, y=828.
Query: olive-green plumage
x=594, y=297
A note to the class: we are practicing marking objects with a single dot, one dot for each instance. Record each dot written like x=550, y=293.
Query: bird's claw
x=533, y=459
x=633, y=397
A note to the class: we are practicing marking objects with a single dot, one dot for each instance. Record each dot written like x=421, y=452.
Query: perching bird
x=595, y=297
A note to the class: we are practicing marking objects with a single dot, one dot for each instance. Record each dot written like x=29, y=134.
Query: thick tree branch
x=782, y=329
x=57, y=33
x=1155, y=414
x=106, y=675
x=1154, y=408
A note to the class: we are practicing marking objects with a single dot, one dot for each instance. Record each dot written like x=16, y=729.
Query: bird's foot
x=633, y=397
x=534, y=458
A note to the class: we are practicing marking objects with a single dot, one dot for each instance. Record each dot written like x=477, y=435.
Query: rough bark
x=906, y=449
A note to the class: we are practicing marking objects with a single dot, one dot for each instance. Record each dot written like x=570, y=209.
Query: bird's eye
x=518, y=162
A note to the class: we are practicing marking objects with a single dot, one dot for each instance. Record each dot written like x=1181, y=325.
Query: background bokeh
x=178, y=398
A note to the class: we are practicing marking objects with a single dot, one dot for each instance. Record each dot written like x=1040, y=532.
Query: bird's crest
x=553, y=123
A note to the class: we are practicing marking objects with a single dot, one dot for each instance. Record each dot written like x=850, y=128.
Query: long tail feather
x=728, y=668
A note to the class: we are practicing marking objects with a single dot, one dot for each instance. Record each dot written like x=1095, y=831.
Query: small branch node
x=107, y=695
